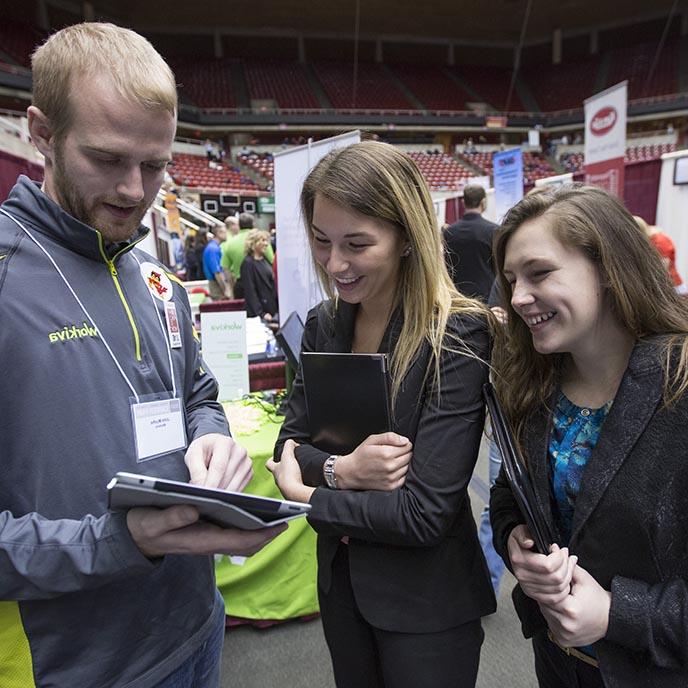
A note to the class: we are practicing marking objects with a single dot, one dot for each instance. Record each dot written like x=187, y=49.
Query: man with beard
x=96, y=339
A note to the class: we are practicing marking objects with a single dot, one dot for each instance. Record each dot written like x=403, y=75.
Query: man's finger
x=196, y=465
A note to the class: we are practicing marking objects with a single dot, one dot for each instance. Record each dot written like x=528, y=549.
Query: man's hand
x=177, y=530
x=582, y=617
x=380, y=462
x=217, y=461
x=544, y=578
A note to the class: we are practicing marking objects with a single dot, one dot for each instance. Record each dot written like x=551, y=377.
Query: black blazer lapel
x=638, y=397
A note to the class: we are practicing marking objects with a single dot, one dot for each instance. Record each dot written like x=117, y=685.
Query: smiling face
x=361, y=254
x=108, y=167
x=556, y=290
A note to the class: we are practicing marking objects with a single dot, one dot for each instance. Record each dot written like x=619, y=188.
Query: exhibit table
x=279, y=582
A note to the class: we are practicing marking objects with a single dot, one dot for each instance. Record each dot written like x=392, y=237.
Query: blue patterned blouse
x=575, y=431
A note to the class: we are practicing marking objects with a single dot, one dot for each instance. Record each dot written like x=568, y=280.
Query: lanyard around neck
x=90, y=318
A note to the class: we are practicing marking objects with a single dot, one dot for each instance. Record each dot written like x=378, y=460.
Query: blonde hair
x=636, y=283
x=136, y=69
x=252, y=239
x=379, y=181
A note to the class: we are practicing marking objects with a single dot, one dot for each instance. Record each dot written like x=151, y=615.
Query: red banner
x=607, y=174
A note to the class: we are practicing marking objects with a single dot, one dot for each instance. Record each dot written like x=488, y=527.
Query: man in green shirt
x=234, y=252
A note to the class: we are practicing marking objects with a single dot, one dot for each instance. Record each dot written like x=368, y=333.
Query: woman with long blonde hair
x=402, y=580
x=592, y=374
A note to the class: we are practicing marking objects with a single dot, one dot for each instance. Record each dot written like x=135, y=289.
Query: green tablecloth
x=279, y=582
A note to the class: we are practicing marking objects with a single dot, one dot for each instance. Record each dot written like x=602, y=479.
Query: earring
x=407, y=252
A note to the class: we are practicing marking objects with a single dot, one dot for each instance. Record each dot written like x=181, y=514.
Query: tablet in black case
x=224, y=508
x=347, y=398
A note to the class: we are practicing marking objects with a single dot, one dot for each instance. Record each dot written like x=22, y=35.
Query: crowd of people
x=567, y=306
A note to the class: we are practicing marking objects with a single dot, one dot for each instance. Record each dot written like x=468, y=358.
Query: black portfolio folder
x=289, y=338
x=347, y=398
x=517, y=473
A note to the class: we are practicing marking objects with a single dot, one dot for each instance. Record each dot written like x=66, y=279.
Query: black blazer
x=630, y=526
x=259, y=287
x=469, y=255
x=416, y=565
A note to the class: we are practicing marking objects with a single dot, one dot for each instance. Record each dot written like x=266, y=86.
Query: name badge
x=173, y=332
x=159, y=427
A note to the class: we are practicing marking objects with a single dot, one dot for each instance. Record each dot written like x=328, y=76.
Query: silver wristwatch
x=328, y=472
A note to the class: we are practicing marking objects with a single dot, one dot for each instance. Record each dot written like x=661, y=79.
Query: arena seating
x=481, y=160
x=262, y=163
x=206, y=82
x=441, y=171
x=573, y=162
x=434, y=89
x=563, y=86
x=535, y=166
x=373, y=87
x=492, y=84
x=634, y=62
x=282, y=81
x=193, y=171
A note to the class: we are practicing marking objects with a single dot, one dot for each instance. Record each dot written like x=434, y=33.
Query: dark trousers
x=366, y=657
x=555, y=669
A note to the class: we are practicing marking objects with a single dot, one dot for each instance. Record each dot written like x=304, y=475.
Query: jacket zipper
x=113, y=273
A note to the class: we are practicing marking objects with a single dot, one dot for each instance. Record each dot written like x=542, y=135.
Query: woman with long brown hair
x=402, y=581
x=592, y=373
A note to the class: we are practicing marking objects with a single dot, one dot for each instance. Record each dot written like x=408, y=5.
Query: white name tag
x=173, y=332
x=158, y=427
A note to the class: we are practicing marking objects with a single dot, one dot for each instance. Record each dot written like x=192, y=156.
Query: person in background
x=200, y=242
x=592, y=372
x=667, y=251
x=93, y=597
x=193, y=267
x=218, y=286
x=469, y=246
x=233, y=253
x=256, y=276
x=177, y=253
x=232, y=225
x=495, y=564
x=402, y=581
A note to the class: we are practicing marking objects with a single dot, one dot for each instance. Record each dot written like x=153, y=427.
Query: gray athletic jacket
x=81, y=605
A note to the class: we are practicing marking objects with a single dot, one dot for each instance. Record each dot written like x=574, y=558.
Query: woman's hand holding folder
x=544, y=578
x=380, y=462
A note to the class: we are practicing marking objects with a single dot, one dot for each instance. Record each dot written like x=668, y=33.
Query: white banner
x=298, y=285
x=224, y=351
x=605, y=124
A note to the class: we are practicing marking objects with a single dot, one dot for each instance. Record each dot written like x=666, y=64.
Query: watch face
x=328, y=470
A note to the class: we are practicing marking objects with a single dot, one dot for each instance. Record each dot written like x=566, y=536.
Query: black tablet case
x=517, y=473
x=289, y=338
x=347, y=398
